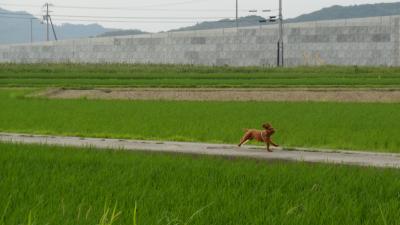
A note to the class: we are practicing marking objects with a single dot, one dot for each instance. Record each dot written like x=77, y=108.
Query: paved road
x=306, y=155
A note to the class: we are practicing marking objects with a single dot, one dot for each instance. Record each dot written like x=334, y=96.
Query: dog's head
x=267, y=126
x=270, y=131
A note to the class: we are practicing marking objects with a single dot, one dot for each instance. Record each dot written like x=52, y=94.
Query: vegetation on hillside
x=122, y=33
x=348, y=12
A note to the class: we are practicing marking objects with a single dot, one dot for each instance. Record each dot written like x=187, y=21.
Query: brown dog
x=260, y=135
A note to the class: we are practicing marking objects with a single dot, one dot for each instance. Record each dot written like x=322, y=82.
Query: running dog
x=260, y=135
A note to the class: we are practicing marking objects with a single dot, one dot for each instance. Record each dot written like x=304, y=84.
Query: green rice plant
x=383, y=216
x=137, y=75
x=168, y=220
x=352, y=126
x=3, y=215
x=50, y=185
x=110, y=215
x=30, y=219
x=134, y=214
x=187, y=222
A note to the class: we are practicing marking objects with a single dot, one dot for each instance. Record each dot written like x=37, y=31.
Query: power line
x=127, y=21
x=131, y=19
x=130, y=9
x=24, y=5
x=151, y=21
x=14, y=17
x=136, y=17
x=120, y=17
x=113, y=21
x=69, y=6
x=124, y=21
x=16, y=14
x=173, y=4
x=153, y=9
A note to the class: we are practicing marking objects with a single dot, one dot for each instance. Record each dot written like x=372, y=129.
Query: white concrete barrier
x=366, y=41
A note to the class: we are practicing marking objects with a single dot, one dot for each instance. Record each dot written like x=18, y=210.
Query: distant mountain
x=347, y=12
x=69, y=31
x=226, y=23
x=330, y=13
x=15, y=27
x=121, y=33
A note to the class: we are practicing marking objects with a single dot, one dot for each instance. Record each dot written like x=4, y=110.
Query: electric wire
x=125, y=19
x=129, y=9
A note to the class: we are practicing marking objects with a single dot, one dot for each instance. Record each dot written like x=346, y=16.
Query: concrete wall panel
x=365, y=41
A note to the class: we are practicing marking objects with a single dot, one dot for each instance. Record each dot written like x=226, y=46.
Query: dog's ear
x=266, y=125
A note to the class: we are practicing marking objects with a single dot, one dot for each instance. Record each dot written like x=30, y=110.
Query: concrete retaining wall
x=367, y=41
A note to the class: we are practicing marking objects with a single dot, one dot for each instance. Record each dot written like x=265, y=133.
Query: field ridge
x=385, y=160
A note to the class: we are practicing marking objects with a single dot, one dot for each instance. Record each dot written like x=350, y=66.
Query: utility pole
x=280, y=61
x=237, y=13
x=47, y=20
x=47, y=17
x=54, y=31
x=32, y=29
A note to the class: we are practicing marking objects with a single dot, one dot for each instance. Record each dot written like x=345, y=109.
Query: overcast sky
x=158, y=15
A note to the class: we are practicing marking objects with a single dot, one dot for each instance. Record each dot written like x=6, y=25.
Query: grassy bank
x=72, y=75
x=53, y=185
x=357, y=126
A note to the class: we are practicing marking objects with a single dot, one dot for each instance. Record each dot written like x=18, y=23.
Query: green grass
x=353, y=126
x=54, y=185
x=92, y=75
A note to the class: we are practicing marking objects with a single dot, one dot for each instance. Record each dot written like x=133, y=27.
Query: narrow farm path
x=324, y=156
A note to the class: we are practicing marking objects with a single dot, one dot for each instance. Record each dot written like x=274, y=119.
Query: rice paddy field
x=367, y=126
x=57, y=185
x=123, y=75
x=54, y=185
x=356, y=126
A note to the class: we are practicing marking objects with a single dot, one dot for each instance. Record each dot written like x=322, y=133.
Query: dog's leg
x=245, y=139
x=268, y=149
x=269, y=140
x=273, y=144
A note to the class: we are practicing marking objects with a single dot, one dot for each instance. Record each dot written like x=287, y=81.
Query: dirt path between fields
x=316, y=95
x=384, y=160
